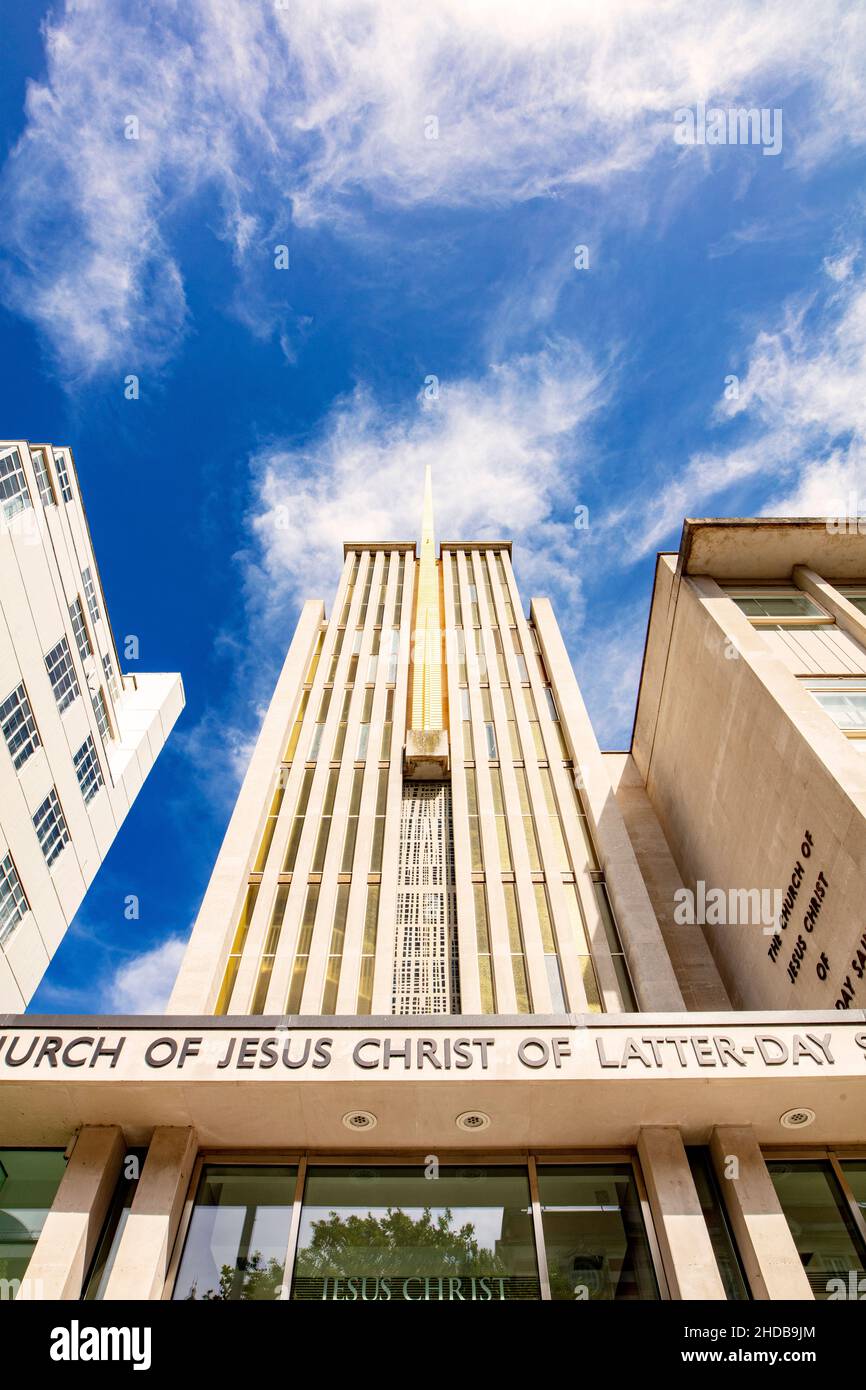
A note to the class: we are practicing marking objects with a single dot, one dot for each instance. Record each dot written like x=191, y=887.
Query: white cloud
x=288, y=113
x=506, y=453
x=802, y=411
x=142, y=985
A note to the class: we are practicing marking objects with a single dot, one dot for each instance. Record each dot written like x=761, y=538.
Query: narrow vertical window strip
x=368, y=950
x=335, y=950
x=230, y=975
x=302, y=955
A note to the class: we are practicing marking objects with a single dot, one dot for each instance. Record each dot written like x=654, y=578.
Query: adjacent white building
x=77, y=736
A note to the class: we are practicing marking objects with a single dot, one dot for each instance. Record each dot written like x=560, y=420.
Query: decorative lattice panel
x=426, y=979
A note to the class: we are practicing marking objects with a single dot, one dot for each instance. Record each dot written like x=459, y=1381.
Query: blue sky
x=283, y=410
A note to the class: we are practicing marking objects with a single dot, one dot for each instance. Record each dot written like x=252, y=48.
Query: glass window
x=597, y=1247
x=19, y=726
x=14, y=492
x=63, y=476
x=239, y=1234
x=13, y=900
x=846, y=707
x=88, y=770
x=90, y=593
x=79, y=627
x=821, y=1223
x=112, y=1231
x=50, y=826
x=110, y=675
x=391, y=1234
x=61, y=673
x=723, y=1244
x=100, y=709
x=782, y=603
x=43, y=478
x=29, y=1179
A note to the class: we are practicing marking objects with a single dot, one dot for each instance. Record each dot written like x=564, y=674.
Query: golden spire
x=426, y=711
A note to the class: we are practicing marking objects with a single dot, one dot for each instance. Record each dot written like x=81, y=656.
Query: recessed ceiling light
x=473, y=1121
x=797, y=1119
x=358, y=1120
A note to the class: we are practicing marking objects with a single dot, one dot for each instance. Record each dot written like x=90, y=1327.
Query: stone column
x=687, y=1251
x=73, y=1225
x=141, y=1263
x=766, y=1246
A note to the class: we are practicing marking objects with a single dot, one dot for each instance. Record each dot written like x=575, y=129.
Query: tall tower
x=411, y=836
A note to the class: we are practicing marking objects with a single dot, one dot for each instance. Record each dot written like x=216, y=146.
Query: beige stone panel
x=536, y=971
x=284, y=960
x=311, y=1001
x=383, y=974
x=649, y=965
x=575, y=992
x=737, y=731
x=684, y=1240
x=467, y=940
x=200, y=975
x=761, y=1231
x=72, y=1227
x=347, y=990
x=697, y=973
x=141, y=1262
x=500, y=948
x=835, y=602
x=248, y=974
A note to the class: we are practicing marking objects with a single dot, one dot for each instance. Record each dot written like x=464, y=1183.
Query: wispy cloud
x=506, y=449
x=142, y=985
x=323, y=107
x=799, y=412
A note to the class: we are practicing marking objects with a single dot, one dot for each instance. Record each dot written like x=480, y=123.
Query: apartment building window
x=100, y=709
x=79, y=628
x=88, y=770
x=14, y=492
x=61, y=673
x=110, y=675
x=13, y=899
x=43, y=479
x=63, y=475
x=19, y=727
x=50, y=826
x=90, y=594
x=845, y=702
x=770, y=605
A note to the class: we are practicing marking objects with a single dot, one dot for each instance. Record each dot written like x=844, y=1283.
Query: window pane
x=237, y=1239
x=847, y=708
x=594, y=1234
x=724, y=1248
x=390, y=1234
x=821, y=1224
x=29, y=1179
x=782, y=605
